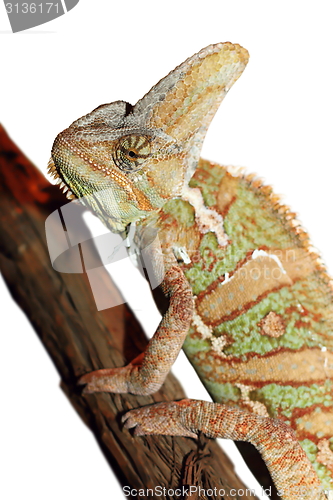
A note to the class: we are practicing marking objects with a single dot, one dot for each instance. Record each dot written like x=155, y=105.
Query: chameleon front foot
x=161, y=418
x=128, y=379
x=106, y=380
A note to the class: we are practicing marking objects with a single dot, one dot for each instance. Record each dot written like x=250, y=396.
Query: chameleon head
x=125, y=161
x=105, y=157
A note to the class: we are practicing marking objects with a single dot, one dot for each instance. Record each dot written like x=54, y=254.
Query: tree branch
x=80, y=339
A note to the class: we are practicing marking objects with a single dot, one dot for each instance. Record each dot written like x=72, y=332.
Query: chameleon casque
x=249, y=301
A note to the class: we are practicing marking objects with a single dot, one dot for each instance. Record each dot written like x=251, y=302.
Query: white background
x=276, y=121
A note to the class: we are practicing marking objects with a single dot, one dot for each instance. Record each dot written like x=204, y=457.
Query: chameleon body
x=249, y=301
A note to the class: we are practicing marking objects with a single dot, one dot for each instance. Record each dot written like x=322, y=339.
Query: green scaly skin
x=250, y=225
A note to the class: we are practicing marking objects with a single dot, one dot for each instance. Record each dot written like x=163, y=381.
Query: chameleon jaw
x=52, y=170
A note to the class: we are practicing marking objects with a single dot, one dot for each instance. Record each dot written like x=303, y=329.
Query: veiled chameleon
x=249, y=301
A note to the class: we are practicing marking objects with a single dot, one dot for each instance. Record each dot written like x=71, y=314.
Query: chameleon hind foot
x=161, y=418
x=288, y=464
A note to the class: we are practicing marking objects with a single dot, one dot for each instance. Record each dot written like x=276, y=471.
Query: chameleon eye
x=131, y=151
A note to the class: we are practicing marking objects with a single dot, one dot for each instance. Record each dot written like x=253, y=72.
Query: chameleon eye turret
x=131, y=152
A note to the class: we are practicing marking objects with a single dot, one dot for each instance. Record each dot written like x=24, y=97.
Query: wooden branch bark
x=80, y=339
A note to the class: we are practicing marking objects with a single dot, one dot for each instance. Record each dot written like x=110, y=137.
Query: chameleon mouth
x=52, y=170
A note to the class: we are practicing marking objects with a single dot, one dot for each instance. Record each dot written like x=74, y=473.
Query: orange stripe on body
x=251, y=281
x=285, y=367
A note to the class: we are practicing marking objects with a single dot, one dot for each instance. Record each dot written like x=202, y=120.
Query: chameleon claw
x=142, y=420
x=87, y=390
x=130, y=422
x=127, y=421
x=85, y=379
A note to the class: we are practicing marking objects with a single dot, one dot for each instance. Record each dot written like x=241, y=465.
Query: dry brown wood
x=80, y=339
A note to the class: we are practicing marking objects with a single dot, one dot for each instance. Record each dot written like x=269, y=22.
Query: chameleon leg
x=146, y=373
x=291, y=470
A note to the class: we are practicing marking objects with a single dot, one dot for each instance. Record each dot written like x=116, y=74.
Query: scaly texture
x=244, y=287
x=261, y=337
x=290, y=469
